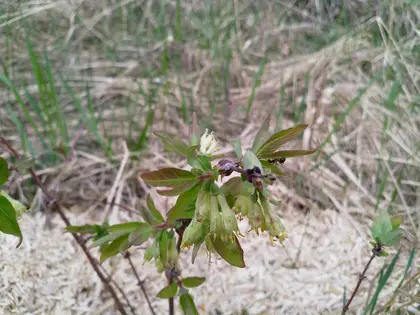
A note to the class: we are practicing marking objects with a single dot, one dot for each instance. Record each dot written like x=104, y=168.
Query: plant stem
x=55, y=206
x=180, y=232
x=139, y=282
x=362, y=276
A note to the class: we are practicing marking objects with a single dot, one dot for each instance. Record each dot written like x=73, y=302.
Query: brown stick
x=139, y=282
x=362, y=276
x=79, y=240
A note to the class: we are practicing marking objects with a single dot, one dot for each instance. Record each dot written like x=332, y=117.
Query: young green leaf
x=205, y=162
x=230, y=250
x=113, y=248
x=261, y=134
x=250, y=161
x=140, y=235
x=194, y=130
x=236, y=144
x=4, y=171
x=169, y=177
x=286, y=154
x=172, y=143
x=192, y=282
x=8, y=219
x=280, y=138
x=396, y=221
x=153, y=210
x=187, y=304
x=83, y=229
x=168, y=291
x=185, y=205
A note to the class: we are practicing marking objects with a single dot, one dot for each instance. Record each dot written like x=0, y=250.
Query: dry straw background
x=369, y=131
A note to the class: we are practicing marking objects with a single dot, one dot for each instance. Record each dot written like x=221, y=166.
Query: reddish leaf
x=169, y=177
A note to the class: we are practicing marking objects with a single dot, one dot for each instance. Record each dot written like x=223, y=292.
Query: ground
x=85, y=83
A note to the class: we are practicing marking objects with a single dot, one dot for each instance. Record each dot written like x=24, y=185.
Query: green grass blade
x=256, y=83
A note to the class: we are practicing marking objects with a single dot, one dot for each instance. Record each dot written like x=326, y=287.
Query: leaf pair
x=171, y=290
x=267, y=149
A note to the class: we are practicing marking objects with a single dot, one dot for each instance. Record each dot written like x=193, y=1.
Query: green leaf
x=168, y=291
x=4, y=171
x=125, y=227
x=169, y=177
x=230, y=250
x=113, y=248
x=192, y=282
x=185, y=205
x=140, y=235
x=391, y=238
x=83, y=229
x=273, y=169
x=177, y=190
x=187, y=304
x=261, y=134
x=153, y=210
x=250, y=161
x=280, y=138
x=172, y=143
x=8, y=219
x=396, y=221
x=286, y=154
x=236, y=144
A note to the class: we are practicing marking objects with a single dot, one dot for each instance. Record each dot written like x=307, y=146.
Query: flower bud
x=202, y=206
x=274, y=225
x=172, y=252
x=216, y=225
x=159, y=266
x=242, y=205
x=256, y=217
x=194, y=233
x=228, y=216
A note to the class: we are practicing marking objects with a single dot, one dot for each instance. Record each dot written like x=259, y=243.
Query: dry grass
x=315, y=71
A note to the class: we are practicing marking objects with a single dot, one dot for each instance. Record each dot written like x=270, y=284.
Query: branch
x=139, y=282
x=54, y=205
x=375, y=251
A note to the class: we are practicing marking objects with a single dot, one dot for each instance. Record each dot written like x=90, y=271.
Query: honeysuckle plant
x=207, y=208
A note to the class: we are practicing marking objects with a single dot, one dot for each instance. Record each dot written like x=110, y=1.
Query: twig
x=139, y=282
x=55, y=206
x=375, y=251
